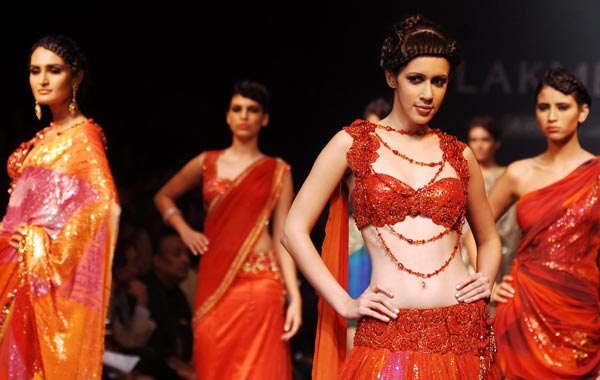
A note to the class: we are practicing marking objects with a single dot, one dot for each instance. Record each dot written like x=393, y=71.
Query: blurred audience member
x=129, y=324
x=485, y=138
x=168, y=305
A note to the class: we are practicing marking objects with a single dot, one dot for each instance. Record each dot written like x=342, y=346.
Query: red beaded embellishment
x=414, y=272
x=403, y=156
x=410, y=241
x=461, y=329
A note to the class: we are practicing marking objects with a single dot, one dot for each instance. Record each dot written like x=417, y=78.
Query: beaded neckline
x=409, y=133
x=406, y=132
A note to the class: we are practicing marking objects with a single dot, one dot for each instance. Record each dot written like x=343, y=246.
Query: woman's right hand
x=375, y=302
x=196, y=241
x=18, y=235
x=503, y=291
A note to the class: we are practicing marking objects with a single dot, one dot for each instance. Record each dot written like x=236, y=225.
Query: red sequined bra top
x=380, y=199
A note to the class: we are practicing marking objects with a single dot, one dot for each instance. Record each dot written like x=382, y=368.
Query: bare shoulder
x=342, y=138
x=194, y=165
x=283, y=162
x=331, y=162
x=337, y=146
x=468, y=153
x=520, y=168
x=471, y=159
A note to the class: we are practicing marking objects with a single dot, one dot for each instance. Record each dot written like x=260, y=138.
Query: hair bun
x=411, y=22
x=416, y=36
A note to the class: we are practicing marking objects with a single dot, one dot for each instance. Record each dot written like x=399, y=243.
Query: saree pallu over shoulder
x=551, y=328
x=54, y=290
x=233, y=224
x=330, y=341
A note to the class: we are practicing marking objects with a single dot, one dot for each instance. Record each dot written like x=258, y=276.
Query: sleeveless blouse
x=212, y=186
x=380, y=199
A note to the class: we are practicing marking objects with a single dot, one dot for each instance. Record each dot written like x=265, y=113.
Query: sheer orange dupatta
x=330, y=342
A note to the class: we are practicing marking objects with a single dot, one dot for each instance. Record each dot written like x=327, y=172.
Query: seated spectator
x=172, y=339
x=129, y=325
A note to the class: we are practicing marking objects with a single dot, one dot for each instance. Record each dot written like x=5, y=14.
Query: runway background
x=163, y=73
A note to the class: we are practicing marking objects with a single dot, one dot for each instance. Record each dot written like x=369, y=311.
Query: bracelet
x=170, y=211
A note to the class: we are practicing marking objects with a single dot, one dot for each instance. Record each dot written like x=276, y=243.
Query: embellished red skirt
x=447, y=343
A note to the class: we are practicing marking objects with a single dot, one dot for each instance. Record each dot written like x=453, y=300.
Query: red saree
x=551, y=328
x=54, y=290
x=239, y=316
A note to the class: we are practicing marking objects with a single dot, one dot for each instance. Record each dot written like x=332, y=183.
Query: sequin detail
x=258, y=262
x=554, y=316
x=212, y=186
x=15, y=160
x=55, y=285
x=380, y=199
x=461, y=329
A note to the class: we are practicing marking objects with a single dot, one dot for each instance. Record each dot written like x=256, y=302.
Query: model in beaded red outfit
x=411, y=187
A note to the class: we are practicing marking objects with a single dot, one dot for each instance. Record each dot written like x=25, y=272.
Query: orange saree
x=54, y=289
x=551, y=328
x=239, y=305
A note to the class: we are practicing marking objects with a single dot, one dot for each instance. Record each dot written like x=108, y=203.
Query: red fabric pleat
x=330, y=342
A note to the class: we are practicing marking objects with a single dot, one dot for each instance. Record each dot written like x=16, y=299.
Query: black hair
x=254, y=90
x=416, y=36
x=379, y=107
x=489, y=124
x=563, y=80
x=74, y=57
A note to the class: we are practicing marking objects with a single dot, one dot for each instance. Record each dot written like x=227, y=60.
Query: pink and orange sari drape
x=551, y=328
x=54, y=290
x=234, y=222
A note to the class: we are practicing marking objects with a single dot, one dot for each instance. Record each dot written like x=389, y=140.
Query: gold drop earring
x=73, y=104
x=38, y=110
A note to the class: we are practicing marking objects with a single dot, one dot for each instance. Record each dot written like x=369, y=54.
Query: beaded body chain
x=400, y=236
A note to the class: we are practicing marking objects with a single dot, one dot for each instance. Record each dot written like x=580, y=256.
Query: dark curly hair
x=416, y=36
x=561, y=79
x=254, y=90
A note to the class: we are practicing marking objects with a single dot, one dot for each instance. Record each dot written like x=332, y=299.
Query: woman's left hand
x=18, y=235
x=474, y=288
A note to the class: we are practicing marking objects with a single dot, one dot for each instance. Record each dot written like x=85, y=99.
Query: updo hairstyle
x=74, y=57
x=566, y=82
x=413, y=37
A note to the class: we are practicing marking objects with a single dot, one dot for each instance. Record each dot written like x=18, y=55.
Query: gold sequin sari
x=54, y=289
